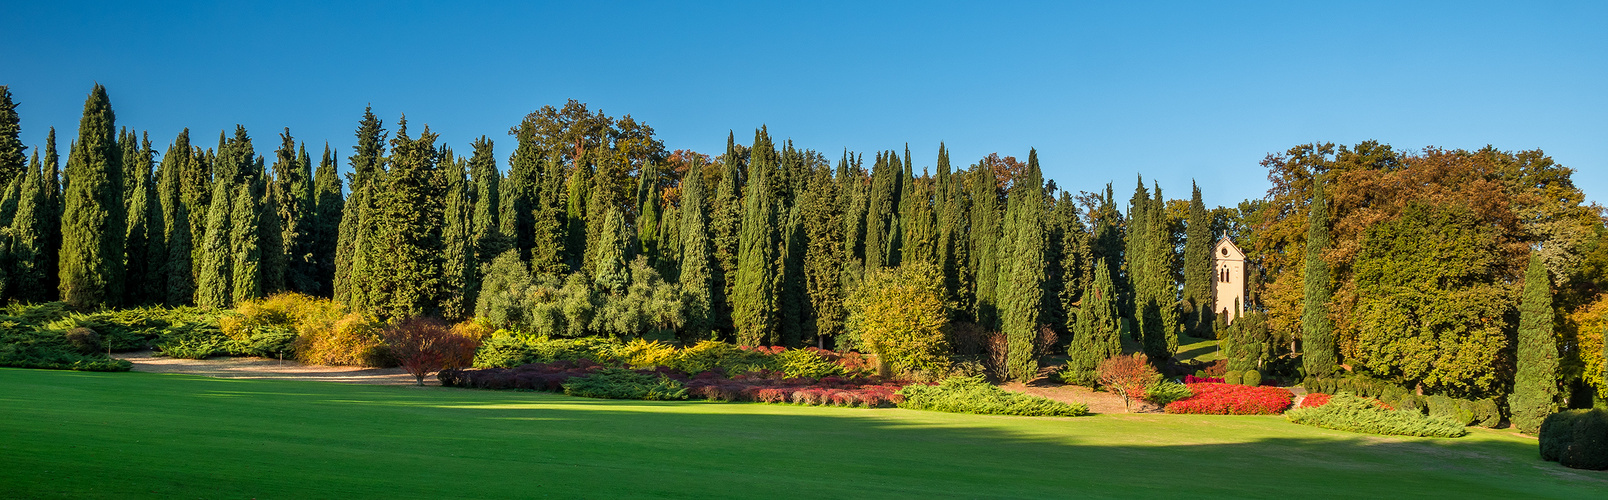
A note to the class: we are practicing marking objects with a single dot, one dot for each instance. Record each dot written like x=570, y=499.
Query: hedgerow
x=1346, y=412
x=1576, y=438
x=975, y=395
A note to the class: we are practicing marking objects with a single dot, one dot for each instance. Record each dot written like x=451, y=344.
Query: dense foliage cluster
x=975, y=395
x=1232, y=399
x=1576, y=439
x=1346, y=412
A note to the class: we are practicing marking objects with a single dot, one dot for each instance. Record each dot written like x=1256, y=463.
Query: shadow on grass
x=310, y=440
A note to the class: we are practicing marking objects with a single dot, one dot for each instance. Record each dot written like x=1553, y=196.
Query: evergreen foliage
x=726, y=223
x=404, y=273
x=754, y=297
x=985, y=236
x=1535, y=385
x=822, y=217
x=214, y=286
x=11, y=148
x=460, y=275
x=328, y=209
x=368, y=163
x=1317, y=330
x=93, y=215
x=697, y=261
x=1021, y=291
x=177, y=265
x=1199, y=277
x=25, y=275
x=245, y=242
x=1096, y=333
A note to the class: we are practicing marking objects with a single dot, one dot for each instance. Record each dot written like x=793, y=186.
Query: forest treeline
x=593, y=227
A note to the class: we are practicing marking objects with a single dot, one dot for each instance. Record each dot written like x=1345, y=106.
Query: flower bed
x=1314, y=400
x=1191, y=379
x=1232, y=399
x=759, y=387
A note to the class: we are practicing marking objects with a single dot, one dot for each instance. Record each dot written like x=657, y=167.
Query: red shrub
x=1232, y=399
x=424, y=345
x=1314, y=399
x=1191, y=379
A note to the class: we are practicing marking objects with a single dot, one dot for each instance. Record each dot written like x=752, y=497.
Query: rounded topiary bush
x=1251, y=378
x=1232, y=378
x=1576, y=439
x=1486, y=413
x=84, y=340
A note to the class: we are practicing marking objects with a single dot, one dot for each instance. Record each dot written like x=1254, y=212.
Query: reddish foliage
x=1191, y=379
x=754, y=387
x=1127, y=376
x=424, y=345
x=1313, y=400
x=1232, y=399
x=1217, y=369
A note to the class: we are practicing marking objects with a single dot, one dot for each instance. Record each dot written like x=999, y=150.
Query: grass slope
x=132, y=435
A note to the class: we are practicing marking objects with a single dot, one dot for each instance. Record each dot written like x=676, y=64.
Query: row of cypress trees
x=766, y=239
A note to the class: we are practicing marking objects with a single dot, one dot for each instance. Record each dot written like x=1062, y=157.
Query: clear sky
x=1173, y=91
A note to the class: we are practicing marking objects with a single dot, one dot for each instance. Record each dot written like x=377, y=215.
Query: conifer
x=405, y=269
x=1022, y=293
x=458, y=261
x=177, y=267
x=754, y=297
x=54, y=207
x=576, y=203
x=367, y=161
x=486, y=233
x=1096, y=334
x=1317, y=330
x=551, y=252
x=143, y=250
x=1535, y=384
x=329, y=207
x=290, y=266
x=26, y=277
x=726, y=223
x=1198, y=274
x=610, y=273
x=245, y=242
x=215, y=285
x=697, y=259
x=93, y=215
x=985, y=237
x=11, y=148
x=822, y=216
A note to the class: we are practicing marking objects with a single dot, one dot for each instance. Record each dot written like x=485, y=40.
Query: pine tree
x=697, y=260
x=245, y=242
x=754, y=297
x=1096, y=335
x=290, y=266
x=1317, y=330
x=26, y=279
x=1198, y=274
x=327, y=222
x=368, y=164
x=11, y=148
x=177, y=267
x=985, y=238
x=406, y=265
x=93, y=215
x=1535, y=384
x=215, y=285
x=1022, y=293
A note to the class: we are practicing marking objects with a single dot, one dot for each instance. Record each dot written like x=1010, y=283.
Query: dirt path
x=1099, y=402
x=269, y=369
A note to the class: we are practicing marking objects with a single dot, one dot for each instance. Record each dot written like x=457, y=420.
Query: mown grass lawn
x=132, y=435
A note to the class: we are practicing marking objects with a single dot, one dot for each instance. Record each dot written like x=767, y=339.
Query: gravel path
x=1099, y=402
x=269, y=369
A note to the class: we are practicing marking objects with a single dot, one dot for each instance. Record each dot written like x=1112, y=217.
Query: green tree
x=1317, y=330
x=55, y=206
x=215, y=285
x=406, y=274
x=697, y=260
x=486, y=233
x=93, y=215
x=11, y=148
x=26, y=279
x=329, y=207
x=726, y=224
x=245, y=242
x=1535, y=385
x=1199, y=276
x=1022, y=290
x=458, y=264
x=822, y=216
x=985, y=238
x=294, y=205
x=610, y=273
x=754, y=299
x=177, y=266
x=1097, y=328
x=368, y=163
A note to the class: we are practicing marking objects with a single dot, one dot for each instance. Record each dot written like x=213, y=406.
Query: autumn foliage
x=1128, y=376
x=424, y=345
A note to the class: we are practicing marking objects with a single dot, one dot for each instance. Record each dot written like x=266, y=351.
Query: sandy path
x=1099, y=402
x=269, y=369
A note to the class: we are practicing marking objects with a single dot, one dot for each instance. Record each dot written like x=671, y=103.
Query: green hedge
x=1576, y=439
x=974, y=395
x=1346, y=412
x=616, y=383
x=23, y=345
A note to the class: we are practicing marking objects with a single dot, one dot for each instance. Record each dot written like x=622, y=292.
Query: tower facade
x=1229, y=262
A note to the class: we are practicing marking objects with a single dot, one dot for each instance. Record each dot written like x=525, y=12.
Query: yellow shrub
x=646, y=354
x=352, y=340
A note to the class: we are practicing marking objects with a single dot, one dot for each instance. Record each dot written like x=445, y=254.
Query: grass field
x=132, y=435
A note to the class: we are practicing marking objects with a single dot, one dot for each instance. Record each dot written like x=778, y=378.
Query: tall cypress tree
x=609, y=270
x=458, y=262
x=985, y=234
x=1135, y=256
x=754, y=299
x=1317, y=330
x=519, y=197
x=551, y=252
x=196, y=191
x=215, y=285
x=145, y=249
x=245, y=242
x=1022, y=291
x=11, y=148
x=177, y=267
x=1159, y=316
x=726, y=228
x=368, y=163
x=697, y=259
x=327, y=222
x=1535, y=385
x=1097, y=328
x=26, y=278
x=822, y=217
x=93, y=217
x=290, y=266
x=405, y=277
x=486, y=232
x=575, y=206
x=54, y=207
x=1198, y=274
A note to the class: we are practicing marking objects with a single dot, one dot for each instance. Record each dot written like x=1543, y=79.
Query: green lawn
x=129, y=435
x=1194, y=349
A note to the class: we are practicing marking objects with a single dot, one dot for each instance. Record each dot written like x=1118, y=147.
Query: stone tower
x=1229, y=262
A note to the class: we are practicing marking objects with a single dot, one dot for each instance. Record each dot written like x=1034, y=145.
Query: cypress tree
x=985, y=236
x=405, y=277
x=754, y=298
x=1317, y=330
x=551, y=253
x=215, y=285
x=368, y=163
x=726, y=227
x=822, y=218
x=1064, y=281
x=177, y=267
x=1198, y=273
x=951, y=221
x=327, y=222
x=1135, y=257
x=11, y=148
x=647, y=221
x=1022, y=293
x=880, y=218
x=93, y=215
x=791, y=295
x=609, y=271
x=697, y=260
x=8, y=210
x=1160, y=299
x=519, y=197
x=54, y=207
x=1535, y=385
x=486, y=234
x=27, y=281
x=245, y=243
x=575, y=206
x=290, y=266
x=196, y=191
x=144, y=252
x=1097, y=328
x=458, y=241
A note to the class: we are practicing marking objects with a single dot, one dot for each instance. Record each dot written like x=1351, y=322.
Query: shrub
x=616, y=383
x=1576, y=439
x=352, y=340
x=808, y=362
x=1191, y=379
x=711, y=355
x=646, y=354
x=1232, y=399
x=900, y=315
x=1486, y=413
x=1346, y=412
x=22, y=345
x=1166, y=391
x=975, y=395
x=1251, y=378
x=1217, y=368
x=424, y=345
x=1313, y=400
x=1456, y=410
x=84, y=340
x=1083, y=378
x=1127, y=376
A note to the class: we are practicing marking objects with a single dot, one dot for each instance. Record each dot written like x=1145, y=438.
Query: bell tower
x=1229, y=263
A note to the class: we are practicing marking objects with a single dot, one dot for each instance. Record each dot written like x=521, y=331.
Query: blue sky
x=1174, y=91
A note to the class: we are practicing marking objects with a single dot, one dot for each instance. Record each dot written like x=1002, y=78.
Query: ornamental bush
x=1576, y=439
x=1456, y=410
x=1350, y=413
x=617, y=383
x=1232, y=399
x=23, y=345
x=1166, y=391
x=975, y=395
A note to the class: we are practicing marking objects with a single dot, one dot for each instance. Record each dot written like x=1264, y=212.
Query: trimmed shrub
x=1251, y=378
x=975, y=395
x=1232, y=399
x=22, y=345
x=1167, y=391
x=1577, y=439
x=1486, y=413
x=1233, y=378
x=424, y=345
x=1350, y=413
x=616, y=383
x=1456, y=410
